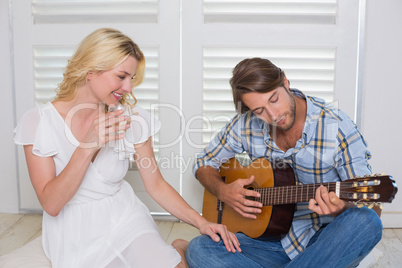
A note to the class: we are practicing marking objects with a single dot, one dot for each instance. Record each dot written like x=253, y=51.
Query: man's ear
x=286, y=82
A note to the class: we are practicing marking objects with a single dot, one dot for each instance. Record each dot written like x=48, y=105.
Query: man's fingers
x=322, y=199
x=325, y=202
x=252, y=204
x=253, y=193
x=313, y=206
x=247, y=212
x=324, y=194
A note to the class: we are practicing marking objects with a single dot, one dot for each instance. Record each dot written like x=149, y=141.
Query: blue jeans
x=342, y=243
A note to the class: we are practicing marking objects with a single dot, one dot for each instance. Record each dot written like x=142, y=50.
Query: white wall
x=382, y=126
x=8, y=163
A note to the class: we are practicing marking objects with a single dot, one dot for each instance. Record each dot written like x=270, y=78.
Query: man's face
x=276, y=107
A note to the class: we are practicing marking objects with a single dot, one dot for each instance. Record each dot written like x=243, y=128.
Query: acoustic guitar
x=279, y=194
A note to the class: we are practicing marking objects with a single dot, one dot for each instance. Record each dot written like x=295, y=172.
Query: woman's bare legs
x=181, y=245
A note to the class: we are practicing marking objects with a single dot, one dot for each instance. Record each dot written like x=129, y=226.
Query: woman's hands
x=107, y=127
x=229, y=239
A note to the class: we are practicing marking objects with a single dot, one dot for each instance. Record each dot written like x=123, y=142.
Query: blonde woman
x=92, y=218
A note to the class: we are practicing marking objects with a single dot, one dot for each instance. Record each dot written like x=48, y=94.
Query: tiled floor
x=17, y=230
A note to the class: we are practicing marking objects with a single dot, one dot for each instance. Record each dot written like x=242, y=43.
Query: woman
x=92, y=217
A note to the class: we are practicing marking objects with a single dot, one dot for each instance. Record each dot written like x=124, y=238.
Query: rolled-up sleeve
x=225, y=145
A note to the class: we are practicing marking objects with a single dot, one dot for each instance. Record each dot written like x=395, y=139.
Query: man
x=320, y=143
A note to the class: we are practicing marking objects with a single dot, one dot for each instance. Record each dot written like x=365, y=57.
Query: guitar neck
x=292, y=194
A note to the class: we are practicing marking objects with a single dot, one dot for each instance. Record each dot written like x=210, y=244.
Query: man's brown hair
x=254, y=75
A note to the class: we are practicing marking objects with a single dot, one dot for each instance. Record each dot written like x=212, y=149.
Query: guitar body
x=273, y=221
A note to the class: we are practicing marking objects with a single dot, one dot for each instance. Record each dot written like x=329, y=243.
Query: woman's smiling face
x=110, y=86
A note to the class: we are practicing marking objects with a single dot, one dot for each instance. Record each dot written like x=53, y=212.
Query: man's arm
x=232, y=194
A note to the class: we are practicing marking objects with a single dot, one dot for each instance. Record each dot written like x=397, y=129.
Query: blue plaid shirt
x=331, y=149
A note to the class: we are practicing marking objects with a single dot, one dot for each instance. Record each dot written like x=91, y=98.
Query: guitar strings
x=304, y=192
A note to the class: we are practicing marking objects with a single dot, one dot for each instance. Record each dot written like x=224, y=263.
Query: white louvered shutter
x=47, y=33
x=314, y=42
x=191, y=48
x=307, y=68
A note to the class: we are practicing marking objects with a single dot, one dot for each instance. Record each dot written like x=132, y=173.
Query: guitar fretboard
x=289, y=194
x=377, y=189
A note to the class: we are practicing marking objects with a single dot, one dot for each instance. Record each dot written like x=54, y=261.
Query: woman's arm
x=54, y=192
x=166, y=196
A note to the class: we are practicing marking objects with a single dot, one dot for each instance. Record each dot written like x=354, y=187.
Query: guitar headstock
x=372, y=189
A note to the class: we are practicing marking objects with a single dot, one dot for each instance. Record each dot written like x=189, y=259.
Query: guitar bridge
x=220, y=206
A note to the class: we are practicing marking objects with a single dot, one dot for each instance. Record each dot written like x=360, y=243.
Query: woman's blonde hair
x=102, y=50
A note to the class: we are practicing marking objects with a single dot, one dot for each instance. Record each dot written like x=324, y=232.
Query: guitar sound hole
x=252, y=198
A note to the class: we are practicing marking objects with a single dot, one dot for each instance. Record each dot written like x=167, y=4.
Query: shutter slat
x=270, y=12
x=73, y=12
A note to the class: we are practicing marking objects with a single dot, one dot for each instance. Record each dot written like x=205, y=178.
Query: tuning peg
x=360, y=205
x=371, y=205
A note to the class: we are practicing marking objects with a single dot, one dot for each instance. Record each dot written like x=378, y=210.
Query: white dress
x=104, y=224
